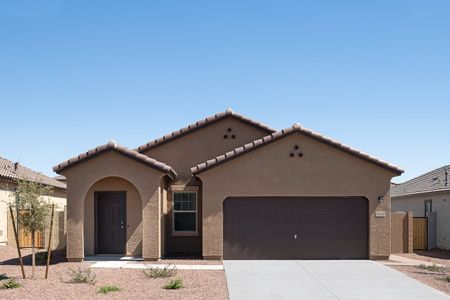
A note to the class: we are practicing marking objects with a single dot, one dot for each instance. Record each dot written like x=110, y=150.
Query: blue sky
x=372, y=74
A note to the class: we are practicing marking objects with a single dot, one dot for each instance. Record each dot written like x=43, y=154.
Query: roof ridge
x=114, y=146
x=296, y=127
x=200, y=124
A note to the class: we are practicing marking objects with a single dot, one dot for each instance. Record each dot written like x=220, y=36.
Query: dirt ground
x=433, y=279
x=198, y=284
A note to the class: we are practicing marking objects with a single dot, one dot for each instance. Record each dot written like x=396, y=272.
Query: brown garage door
x=295, y=228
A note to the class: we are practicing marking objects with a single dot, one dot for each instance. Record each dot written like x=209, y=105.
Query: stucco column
x=151, y=229
x=75, y=212
x=380, y=227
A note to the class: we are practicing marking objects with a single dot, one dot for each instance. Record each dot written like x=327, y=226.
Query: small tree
x=30, y=200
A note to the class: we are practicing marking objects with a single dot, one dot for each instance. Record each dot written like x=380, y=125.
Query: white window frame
x=184, y=233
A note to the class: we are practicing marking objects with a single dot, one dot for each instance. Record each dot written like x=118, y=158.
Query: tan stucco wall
x=6, y=233
x=440, y=205
x=322, y=171
x=197, y=147
x=402, y=232
x=146, y=180
x=133, y=209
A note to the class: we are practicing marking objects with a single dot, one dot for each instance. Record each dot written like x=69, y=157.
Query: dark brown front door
x=295, y=228
x=110, y=211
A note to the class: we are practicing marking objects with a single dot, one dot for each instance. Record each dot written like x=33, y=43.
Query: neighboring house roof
x=435, y=181
x=277, y=135
x=200, y=124
x=11, y=171
x=112, y=146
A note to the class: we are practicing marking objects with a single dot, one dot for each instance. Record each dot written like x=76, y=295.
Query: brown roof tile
x=113, y=146
x=279, y=134
x=199, y=124
x=12, y=171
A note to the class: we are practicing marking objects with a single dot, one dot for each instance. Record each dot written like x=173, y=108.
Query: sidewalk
x=397, y=260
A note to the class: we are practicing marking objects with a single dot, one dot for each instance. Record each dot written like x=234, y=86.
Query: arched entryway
x=109, y=201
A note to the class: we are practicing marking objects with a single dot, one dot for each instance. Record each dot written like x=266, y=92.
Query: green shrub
x=11, y=284
x=41, y=257
x=432, y=268
x=108, y=289
x=165, y=272
x=81, y=276
x=447, y=278
x=174, y=284
x=3, y=276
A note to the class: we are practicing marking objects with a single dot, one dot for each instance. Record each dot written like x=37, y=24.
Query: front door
x=110, y=212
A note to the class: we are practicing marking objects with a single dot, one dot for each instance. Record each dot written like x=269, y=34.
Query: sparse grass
x=432, y=268
x=3, y=276
x=11, y=284
x=108, y=289
x=81, y=276
x=174, y=284
x=165, y=272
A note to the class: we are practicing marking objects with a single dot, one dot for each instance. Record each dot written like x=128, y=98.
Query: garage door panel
x=265, y=228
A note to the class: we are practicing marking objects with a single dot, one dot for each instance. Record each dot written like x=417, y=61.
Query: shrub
x=165, y=272
x=447, y=278
x=3, y=276
x=174, y=284
x=432, y=268
x=11, y=284
x=81, y=276
x=41, y=257
x=108, y=289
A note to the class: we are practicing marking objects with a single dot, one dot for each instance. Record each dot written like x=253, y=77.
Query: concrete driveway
x=326, y=279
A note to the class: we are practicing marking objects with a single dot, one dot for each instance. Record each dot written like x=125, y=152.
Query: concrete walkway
x=328, y=279
x=404, y=261
x=130, y=265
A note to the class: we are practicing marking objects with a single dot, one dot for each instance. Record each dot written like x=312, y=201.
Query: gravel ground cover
x=433, y=279
x=198, y=284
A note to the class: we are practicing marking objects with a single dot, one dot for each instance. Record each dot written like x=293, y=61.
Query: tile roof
x=435, y=181
x=200, y=124
x=113, y=146
x=11, y=171
x=277, y=135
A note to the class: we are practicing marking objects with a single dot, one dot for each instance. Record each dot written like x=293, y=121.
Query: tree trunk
x=33, y=255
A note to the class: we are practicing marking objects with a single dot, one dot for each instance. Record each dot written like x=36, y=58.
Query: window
x=185, y=212
x=428, y=206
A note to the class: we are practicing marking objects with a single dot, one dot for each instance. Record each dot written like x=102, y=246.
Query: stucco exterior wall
x=133, y=209
x=6, y=233
x=185, y=152
x=146, y=180
x=321, y=171
x=440, y=205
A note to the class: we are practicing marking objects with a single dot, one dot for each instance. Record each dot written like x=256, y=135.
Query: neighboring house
x=229, y=187
x=429, y=192
x=9, y=173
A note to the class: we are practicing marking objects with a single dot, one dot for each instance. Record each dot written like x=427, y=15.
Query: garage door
x=295, y=228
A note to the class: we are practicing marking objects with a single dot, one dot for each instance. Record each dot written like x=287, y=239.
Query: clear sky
x=372, y=74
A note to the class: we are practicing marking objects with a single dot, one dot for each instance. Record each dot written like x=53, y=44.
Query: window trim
x=184, y=233
x=425, y=206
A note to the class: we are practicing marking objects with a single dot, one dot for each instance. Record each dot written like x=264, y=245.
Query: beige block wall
x=185, y=152
x=146, y=180
x=440, y=204
x=322, y=171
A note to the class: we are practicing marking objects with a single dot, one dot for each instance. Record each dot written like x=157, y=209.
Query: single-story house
x=425, y=194
x=228, y=187
x=9, y=173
